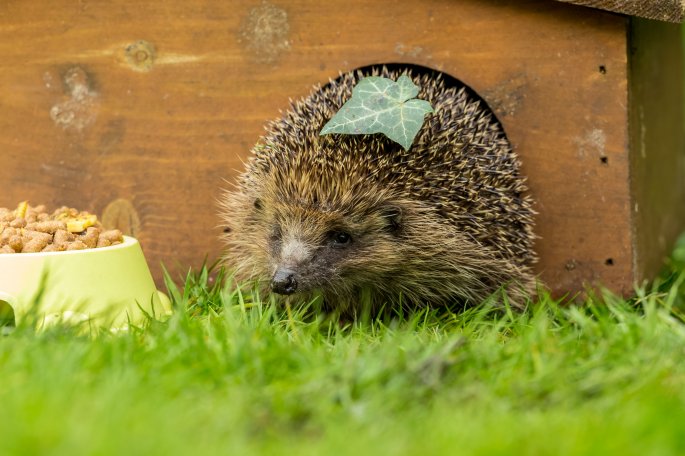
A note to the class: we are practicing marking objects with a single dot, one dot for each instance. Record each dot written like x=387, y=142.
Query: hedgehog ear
x=393, y=216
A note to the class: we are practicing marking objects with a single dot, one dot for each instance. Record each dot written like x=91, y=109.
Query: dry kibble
x=28, y=236
x=63, y=236
x=36, y=244
x=7, y=233
x=113, y=236
x=90, y=237
x=102, y=242
x=49, y=226
x=32, y=229
x=7, y=249
x=16, y=243
x=18, y=223
x=64, y=213
x=76, y=245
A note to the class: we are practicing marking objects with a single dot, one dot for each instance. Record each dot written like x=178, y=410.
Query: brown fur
x=441, y=224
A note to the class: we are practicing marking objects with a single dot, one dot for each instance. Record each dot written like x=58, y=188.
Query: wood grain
x=661, y=10
x=657, y=141
x=162, y=129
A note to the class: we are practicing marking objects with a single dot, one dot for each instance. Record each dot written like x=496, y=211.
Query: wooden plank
x=661, y=10
x=657, y=141
x=90, y=115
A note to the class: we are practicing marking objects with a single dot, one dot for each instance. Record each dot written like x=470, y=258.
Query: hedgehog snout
x=294, y=255
x=284, y=281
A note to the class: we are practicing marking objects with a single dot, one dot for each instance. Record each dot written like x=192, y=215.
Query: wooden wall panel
x=657, y=141
x=92, y=117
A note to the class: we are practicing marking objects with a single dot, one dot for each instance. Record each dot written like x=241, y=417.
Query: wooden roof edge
x=661, y=10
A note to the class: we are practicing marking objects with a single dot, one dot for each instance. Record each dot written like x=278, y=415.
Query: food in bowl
x=30, y=229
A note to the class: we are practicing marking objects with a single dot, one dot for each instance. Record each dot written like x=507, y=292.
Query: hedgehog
x=360, y=223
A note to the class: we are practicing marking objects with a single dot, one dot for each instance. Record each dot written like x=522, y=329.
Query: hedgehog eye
x=258, y=204
x=339, y=238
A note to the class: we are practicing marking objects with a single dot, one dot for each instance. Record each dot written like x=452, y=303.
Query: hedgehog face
x=312, y=248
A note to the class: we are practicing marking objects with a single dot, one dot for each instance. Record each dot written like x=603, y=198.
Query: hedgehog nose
x=284, y=282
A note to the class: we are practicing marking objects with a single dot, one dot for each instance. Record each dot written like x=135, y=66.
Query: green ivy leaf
x=381, y=105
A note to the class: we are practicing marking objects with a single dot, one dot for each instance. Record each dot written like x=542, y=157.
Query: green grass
x=231, y=375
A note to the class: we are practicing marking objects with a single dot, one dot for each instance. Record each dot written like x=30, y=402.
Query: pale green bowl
x=107, y=286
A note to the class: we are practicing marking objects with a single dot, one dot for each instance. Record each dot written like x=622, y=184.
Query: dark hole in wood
x=609, y=262
x=602, y=69
x=604, y=160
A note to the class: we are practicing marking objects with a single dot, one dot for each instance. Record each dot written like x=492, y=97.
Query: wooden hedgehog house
x=139, y=110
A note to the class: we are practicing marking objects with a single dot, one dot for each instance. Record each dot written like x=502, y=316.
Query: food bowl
x=107, y=286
